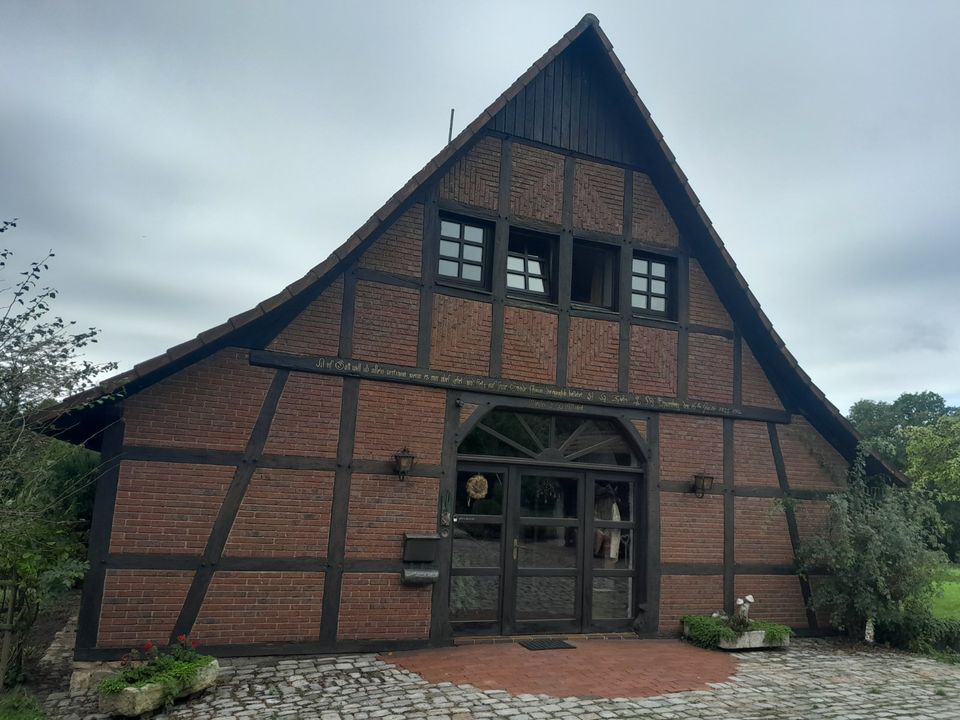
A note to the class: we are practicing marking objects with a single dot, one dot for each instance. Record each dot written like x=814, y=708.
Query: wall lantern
x=702, y=484
x=403, y=463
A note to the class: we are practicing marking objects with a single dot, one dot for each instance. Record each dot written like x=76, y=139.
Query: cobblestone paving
x=814, y=679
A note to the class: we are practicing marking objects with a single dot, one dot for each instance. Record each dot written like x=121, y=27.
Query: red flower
x=181, y=638
x=194, y=644
x=148, y=646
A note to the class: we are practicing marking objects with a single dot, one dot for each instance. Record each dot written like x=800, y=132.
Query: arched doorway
x=547, y=525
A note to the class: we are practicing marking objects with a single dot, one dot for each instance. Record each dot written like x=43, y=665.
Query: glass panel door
x=611, y=569
x=545, y=522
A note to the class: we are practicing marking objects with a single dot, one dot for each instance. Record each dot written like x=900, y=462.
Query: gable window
x=530, y=263
x=594, y=275
x=650, y=284
x=464, y=247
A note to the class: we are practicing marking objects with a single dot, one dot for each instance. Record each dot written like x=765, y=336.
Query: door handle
x=516, y=548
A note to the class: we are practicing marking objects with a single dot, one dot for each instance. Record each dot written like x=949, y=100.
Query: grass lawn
x=18, y=705
x=948, y=605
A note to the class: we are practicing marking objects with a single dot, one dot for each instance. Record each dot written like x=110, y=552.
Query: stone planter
x=131, y=702
x=751, y=640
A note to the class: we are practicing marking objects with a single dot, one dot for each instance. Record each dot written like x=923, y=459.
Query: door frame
x=511, y=522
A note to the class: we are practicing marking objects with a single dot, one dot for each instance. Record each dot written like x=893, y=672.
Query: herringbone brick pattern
x=710, y=363
x=387, y=320
x=529, y=345
x=315, y=331
x=475, y=179
x=756, y=387
x=592, y=357
x=536, y=189
x=652, y=223
x=653, y=361
x=460, y=341
x=705, y=305
x=753, y=456
x=598, y=197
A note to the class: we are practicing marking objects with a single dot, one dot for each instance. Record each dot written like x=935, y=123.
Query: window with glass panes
x=650, y=285
x=528, y=263
x=463, y=250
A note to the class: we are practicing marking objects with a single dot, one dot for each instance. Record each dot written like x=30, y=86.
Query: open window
x=530, y=263
x=594, y=280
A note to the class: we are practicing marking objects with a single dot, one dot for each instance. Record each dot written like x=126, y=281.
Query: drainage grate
x=546, y=645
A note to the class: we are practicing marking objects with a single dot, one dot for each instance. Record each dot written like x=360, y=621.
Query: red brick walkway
x=601, y=668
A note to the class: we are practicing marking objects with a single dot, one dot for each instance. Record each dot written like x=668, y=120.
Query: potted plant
x=155, y=677
x=736, y=632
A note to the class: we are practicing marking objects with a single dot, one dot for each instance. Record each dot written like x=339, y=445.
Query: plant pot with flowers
x=735, y=632
x=156, y=676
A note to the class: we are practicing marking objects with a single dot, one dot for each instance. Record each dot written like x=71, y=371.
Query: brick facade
x=382, y=509
x=529, y=345
x=141, y=605
x=688, y=595
x=375, y=606
x=260, y=607
x=460, y=341
x=757, y=390
x=653, y=361
x=811, y=463
x=385, y=422
x=710, y=368
x=475, y=179
x=689, y=446
x=778, y=598
x=592, y=357
x=652, y=223
x=315, y=331
x=705, y=305
x=307, y=421
x=753, y=464
x=386, y=323
x=761, y=532
x=398, y=250
x=212, y=404
x=536, y=191
x=598, y=197
x=691, y=528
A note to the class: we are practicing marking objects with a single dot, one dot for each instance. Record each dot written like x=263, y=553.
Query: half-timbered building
x=532, y=394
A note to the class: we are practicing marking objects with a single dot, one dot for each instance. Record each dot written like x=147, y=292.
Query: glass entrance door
x=542, y=550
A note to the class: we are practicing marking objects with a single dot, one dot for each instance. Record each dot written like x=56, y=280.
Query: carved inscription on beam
x=497, y=386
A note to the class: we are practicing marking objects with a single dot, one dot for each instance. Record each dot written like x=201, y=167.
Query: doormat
x=546, y=645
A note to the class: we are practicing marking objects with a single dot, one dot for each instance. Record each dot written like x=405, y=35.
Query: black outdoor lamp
x=702, y=484
x=403, y=463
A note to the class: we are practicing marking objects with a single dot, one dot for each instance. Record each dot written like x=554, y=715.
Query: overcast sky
x=187, y=160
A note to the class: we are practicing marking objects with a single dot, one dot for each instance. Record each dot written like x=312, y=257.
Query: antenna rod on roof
x=450, y=133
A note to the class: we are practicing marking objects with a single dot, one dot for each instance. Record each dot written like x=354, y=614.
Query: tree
x=40, y=360
x=933, y=453
x=886, y=426
x=880, y=556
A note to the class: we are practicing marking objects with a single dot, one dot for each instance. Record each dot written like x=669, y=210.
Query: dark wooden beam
x=213, y=551
x=501, y=242
x=565, y=271
x=624, y=279
x=429, y=254
x=729, y=517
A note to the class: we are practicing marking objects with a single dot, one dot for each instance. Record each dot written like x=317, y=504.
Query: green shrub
x=880, y=557
x=19, y=705
x=707, y=632
x=173, y=667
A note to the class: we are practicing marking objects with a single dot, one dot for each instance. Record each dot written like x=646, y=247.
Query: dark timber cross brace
x=213, y=552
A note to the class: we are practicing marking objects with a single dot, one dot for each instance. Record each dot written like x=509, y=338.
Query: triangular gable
x=598, y=75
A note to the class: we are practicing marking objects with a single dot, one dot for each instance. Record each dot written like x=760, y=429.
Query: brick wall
x=260, y=607
x=392, y=416
x=397, y=251
x=529, y=345
x=375, y=606
x=307, y=421
x=688, y=595
x=705, y=305
x=641, y=427
x=811, y=462
x=752, y=455
x=386, y=323
x=211, y=404
x=382, y=509
x=141, y=605
x=653, y=361
x=167, y=508
x=761, y=532
x=460, y=341
x=315, y=331
x=598, y=197
x=285, y=513
x=475, y=178
x=652, y=223
x=710, y=368
x=777, y=598
x=691, y=528
x=536, y=188
x=813, y=518
x=756, y=387
x=691, y=445
x=466, y=410
x=592, y=357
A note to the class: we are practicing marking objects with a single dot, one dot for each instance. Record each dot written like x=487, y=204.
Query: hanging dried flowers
x=477, y=487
